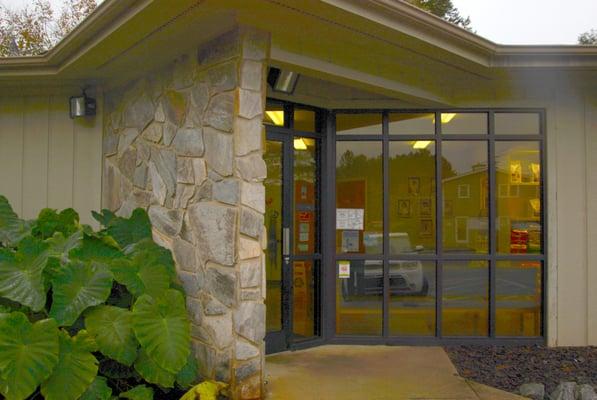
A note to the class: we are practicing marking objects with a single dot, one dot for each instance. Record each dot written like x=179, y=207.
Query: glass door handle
x=286, y=241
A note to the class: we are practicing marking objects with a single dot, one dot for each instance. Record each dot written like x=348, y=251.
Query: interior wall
x=48, y=159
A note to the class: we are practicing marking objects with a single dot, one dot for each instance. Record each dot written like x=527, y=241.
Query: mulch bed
x=508, y=367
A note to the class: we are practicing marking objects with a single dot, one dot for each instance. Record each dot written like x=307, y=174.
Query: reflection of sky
x=463, y=155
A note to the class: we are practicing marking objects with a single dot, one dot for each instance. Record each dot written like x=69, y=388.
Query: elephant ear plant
x=87, y=314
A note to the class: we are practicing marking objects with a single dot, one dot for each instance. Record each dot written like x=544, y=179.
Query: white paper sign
x=344, y=269
x=350, y=218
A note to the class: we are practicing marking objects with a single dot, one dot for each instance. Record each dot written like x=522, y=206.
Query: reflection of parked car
x=366, y=277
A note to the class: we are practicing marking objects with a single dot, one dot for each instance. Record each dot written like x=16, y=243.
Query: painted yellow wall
x=47, y=159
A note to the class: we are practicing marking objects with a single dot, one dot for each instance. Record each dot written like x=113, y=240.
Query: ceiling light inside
x=421, y=144
x=299, y=144
x=277, y=117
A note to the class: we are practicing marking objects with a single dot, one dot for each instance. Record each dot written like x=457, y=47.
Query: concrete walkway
x=370, y=373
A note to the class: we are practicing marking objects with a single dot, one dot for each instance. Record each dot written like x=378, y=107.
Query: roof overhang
x=386, y=45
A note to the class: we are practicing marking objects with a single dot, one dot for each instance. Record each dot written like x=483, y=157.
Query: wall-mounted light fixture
x=82, y=106
x=281, y=80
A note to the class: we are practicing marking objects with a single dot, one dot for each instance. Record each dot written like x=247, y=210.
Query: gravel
x=508, y=367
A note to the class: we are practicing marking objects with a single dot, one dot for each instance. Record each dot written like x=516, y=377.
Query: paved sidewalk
x=370, y=373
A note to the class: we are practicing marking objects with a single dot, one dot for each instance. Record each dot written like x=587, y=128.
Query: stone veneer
x=186, y=144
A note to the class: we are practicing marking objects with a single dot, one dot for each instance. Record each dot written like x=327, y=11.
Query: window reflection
x=412, y=298
x=464, y=123
x=412, y=197
x=517, y=123
x=359, y=197
x=466, y=200
x=465, y=298
x=304, y=120
x=412, y=124
x=359, y=296
x=358, y=124
x=518, y=176
x=518, y=298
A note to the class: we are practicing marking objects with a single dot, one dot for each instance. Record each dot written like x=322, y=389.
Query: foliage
x=588, y=38
x=89, y=314
x=444, y=9
x=208, y=390
x=35, y=28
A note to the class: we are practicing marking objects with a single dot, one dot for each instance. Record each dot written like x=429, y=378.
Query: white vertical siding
x=47, y=159
x=591, y=153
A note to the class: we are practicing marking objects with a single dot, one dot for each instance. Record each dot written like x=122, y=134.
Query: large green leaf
x=98, y=390
x=152, y=372
x=50, y=222
x=60, y=246
x=12, y=228
x=139, y=392
x=148, y=252
x=76, y=368
x=29, y=353
x=188, y=374
x=76, y=287
x=96, y=249
x=141, y=278
x=162, y=327
x=113, y=331
x=126, y=231
x=21, y=273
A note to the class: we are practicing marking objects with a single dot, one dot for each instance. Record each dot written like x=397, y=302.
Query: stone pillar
x=186, y=143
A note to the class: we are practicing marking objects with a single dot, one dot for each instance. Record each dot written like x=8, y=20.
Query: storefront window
x=466, y=201
x=517, y=123
x=359, y=197
x=440, y=255
x=465, y=308
x=518, y=298
x=305, y=120
x=358, y=124
x=412, y=124
x=518, y=179
x=412, y=197
x=464, y=123
x=412, y=298
x=359, y=297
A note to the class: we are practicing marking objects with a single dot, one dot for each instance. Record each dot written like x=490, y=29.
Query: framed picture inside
x=404, y=208
x=515, y=172
x=426, y=228
x=425, y=207
x=414, y=185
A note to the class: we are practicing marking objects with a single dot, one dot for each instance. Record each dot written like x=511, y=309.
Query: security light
x=82, y=106
x=282, y=81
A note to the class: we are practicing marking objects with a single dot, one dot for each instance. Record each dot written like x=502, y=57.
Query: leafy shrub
x=88, y=315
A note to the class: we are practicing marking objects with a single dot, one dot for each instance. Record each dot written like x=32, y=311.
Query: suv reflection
x=406, y=277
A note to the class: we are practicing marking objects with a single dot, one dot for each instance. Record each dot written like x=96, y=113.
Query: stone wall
x=186, y=144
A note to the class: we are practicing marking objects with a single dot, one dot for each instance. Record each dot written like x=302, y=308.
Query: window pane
x=358, y=124
x=412, y=197
x=518, y=176
x=303, y=299
x=359, y=297
x=464, y=123
x=412, y=301
x=412, y=124
x=273, y=220
x=518, y=298
x=359, y=197
x=305, y=196
x=465, y=299
x=274, y=114
x=465, y=191
x=516, y=123
x=304, y=120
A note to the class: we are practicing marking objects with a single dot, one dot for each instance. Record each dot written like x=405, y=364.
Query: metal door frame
x=283, y=339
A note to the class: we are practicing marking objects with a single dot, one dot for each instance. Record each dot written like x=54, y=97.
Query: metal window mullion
x=330, y=228
x=439, y=220
x=492, y=198
x=386, y=227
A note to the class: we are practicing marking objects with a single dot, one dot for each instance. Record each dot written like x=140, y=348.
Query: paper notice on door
x=350, y=218
x=344, y=269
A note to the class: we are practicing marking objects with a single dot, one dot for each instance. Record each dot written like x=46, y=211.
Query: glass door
x=292, y=221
